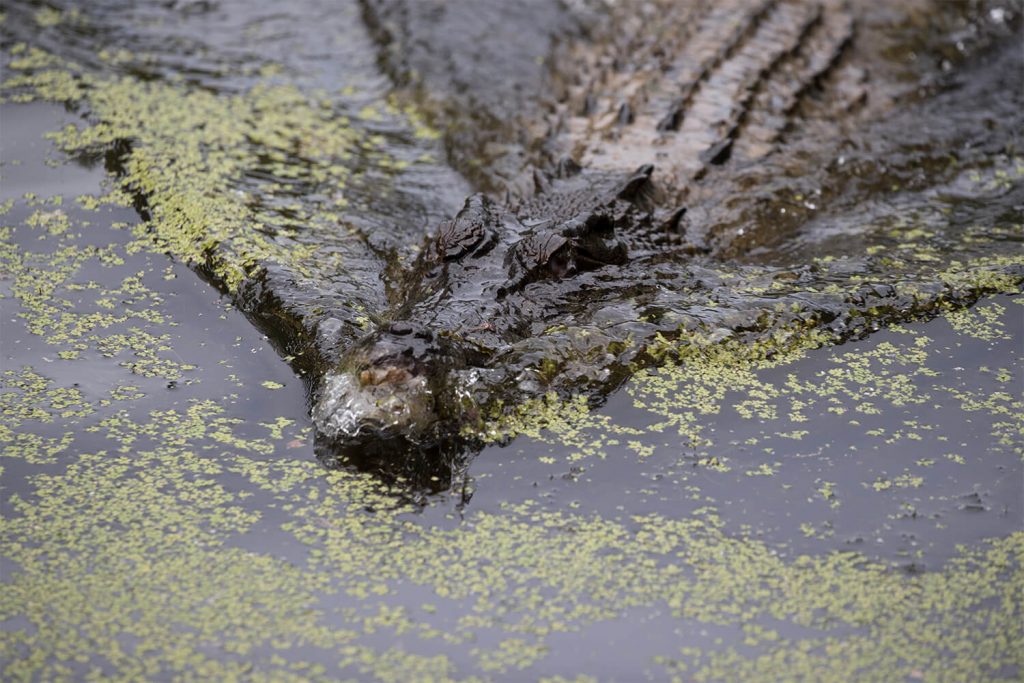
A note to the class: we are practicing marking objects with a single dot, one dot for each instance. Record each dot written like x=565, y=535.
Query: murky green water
x=849, y=512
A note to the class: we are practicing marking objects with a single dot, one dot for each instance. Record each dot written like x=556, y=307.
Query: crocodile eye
x=536, y=256
x=597, y=251
x=455, y=239
x=539, y=252
x=472, y=229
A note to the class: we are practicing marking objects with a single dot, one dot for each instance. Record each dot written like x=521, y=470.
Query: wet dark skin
x=720, y=173
x=473, y=294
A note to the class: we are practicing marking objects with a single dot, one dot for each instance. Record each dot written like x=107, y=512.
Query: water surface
x=845, y=512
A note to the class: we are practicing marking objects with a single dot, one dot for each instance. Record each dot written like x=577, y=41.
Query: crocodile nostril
x=377, y=376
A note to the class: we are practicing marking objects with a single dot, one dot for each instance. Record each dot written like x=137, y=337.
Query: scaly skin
x=472, y=294
x=720, y=143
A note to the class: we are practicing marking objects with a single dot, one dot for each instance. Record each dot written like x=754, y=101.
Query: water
x=165, y=513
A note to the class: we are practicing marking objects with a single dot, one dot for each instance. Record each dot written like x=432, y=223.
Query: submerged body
x=729, y=154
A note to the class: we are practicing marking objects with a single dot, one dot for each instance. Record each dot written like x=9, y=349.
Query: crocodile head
x=399, y=380
x=470, y=297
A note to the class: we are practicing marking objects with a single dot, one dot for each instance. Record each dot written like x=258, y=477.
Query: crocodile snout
x=384, y=386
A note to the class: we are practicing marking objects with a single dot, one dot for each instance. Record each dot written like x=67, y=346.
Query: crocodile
x=667, y=169
x=644, y=177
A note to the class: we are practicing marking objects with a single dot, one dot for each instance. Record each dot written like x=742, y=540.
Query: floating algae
x=136, y=559
x=168, y=521
x=138, y=547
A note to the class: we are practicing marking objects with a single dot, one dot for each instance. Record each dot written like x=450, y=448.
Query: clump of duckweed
x=216, y=171
x=939, y=603
x=74, y=314
x=981, y=322
x=31, y=396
